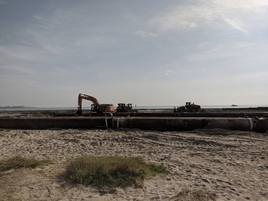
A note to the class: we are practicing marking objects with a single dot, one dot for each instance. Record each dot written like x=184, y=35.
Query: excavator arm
x=86, y=97
x=95, y=107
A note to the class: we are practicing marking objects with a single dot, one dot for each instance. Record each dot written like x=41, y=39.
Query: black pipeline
x=146, y=123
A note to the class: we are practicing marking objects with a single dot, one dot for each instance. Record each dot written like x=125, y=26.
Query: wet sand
x=231, y=164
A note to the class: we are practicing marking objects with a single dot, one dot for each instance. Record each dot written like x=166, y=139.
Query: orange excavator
x=95, y=106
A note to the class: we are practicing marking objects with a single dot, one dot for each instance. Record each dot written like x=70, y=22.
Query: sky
x=153, y=52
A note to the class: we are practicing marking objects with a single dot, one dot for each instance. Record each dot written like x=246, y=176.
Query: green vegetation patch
x=20, y=162
x=111, y=171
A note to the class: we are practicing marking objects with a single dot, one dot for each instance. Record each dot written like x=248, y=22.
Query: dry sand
x=232, y=165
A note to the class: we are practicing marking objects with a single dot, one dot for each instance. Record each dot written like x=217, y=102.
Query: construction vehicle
x=189, y=107
x=122, y=107
x=95, y=106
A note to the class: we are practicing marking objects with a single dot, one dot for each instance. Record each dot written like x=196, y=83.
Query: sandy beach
x=232, y=165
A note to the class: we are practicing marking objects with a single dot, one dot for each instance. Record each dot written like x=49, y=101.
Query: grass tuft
x=20, y=162
x=111, y=171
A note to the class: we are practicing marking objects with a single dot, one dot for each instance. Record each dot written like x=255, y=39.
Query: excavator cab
x=95, y=108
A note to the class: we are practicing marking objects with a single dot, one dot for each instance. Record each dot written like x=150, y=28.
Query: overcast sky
x=151, y=52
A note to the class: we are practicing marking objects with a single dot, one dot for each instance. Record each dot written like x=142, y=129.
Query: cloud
x=20, y=60
x=237, y=25
x=235, y=14
x=168, y=72
x=232, y=51
x=145, y=34
x=222, y=51
x=2, y=2
x=14, y=69
x=22, y=54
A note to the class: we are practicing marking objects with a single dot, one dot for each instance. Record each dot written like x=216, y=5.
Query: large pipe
x=147, y=123
x=48, y=123
x=261, y=125
x=171, y=123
